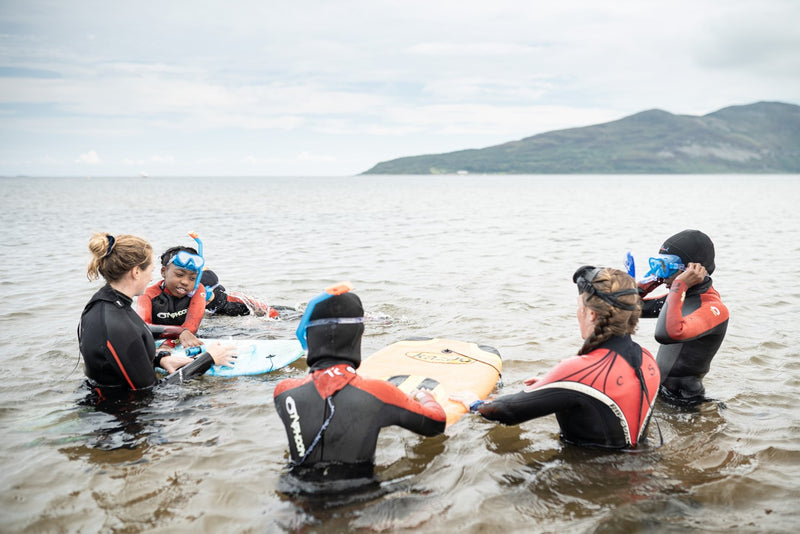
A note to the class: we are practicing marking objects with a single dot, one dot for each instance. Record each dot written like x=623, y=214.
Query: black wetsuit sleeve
x=523, y=406
x=582, y=419
x=197, y=367
x=651, y=308
x=421, y=423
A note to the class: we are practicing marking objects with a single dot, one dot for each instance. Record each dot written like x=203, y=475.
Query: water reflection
x=118, y=426
x=393, y=498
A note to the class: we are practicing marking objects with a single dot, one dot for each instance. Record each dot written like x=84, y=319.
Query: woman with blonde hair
x=603, y=396
x=117, y=346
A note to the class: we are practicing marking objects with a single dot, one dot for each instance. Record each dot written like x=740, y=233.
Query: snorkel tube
x=338, y=289
x=197, y=240
x=630, y=265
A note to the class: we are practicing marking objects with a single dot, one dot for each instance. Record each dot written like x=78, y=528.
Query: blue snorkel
x=197, y=240
x=338, y=289
x=630, y=265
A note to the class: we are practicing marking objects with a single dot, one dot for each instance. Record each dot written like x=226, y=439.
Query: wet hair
x=112, y=256
x=611, y=320
x=170, y=253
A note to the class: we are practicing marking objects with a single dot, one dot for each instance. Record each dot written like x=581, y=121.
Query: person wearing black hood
x=333, y=416
x=692, y=320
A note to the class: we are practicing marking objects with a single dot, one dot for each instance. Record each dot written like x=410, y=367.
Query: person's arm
x=144, y=306
x=128, y=351
x=651, y=308
x=216, y=354
x=197, y=367
x=194, y=315
x=197, y=308
x=525, y=405
x=675, y=327
x=162, y=331
x=422, y=415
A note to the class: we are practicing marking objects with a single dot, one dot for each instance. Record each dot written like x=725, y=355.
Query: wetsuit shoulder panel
x=687, y=315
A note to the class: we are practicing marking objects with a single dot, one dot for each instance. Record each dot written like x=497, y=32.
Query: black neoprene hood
x=336, y=341
x=693, y=246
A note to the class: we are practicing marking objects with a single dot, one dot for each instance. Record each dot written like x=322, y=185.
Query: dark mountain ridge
x=757, y=138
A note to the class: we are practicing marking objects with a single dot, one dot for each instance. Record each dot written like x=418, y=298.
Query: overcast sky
x=296, y=87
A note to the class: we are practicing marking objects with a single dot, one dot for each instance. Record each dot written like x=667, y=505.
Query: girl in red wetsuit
x=604, y=396
x=692, y=320
x=333, y=416
x=178, y=301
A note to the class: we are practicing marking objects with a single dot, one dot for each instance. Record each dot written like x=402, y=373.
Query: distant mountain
x=756, y=138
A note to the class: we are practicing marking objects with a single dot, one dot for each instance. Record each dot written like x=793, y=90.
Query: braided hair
x=611, y=320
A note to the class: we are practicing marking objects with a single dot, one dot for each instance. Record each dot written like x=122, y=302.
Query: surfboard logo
x=438, y=357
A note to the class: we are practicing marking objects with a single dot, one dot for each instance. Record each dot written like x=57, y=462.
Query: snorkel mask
x=584, y=277
x=306, y=322
x=190, y=262
x=665, y=265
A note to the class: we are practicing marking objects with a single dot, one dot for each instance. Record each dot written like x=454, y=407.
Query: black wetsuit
x=344, y=413
x=118, y=348
x=691, y=326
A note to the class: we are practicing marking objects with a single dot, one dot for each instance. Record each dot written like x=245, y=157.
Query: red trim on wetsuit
x=119, y=363
x=710, y=314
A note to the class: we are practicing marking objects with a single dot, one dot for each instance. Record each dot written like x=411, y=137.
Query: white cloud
x=89, y=158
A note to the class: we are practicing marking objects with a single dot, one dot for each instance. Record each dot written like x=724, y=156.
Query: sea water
x=477, y=258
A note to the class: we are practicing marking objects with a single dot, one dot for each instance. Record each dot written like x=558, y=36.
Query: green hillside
x=756, y=138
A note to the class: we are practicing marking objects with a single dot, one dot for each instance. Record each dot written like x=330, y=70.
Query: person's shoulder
x=153, y=290
x=290, y=383
x=107, y=296
x=382, y=389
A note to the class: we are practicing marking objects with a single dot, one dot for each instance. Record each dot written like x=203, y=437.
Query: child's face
x=179, y=281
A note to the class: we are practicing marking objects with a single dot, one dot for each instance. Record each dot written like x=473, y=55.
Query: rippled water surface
x=486, y=259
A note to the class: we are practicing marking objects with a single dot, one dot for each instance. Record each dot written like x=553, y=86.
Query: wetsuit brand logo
x=297, y=433
x=436, y=357
x=715, y=311
x=171, y=315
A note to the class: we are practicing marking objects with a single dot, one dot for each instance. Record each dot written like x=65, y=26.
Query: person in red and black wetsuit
x=333, y=416
x=117, y=346
x=231, y=303
x=692, y=320
x=177, y=303
x=604, y=396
